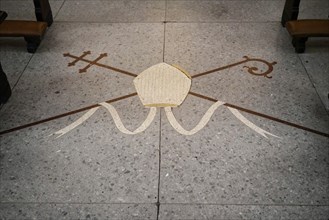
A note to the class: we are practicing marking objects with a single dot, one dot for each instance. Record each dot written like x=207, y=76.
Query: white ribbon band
x=171, y=118
x=204, y=120
x=251, y=125
x=77, y=122
x=119, y=124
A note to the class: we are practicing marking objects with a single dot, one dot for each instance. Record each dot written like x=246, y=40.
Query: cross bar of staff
x=95, y=62
x=78, y=58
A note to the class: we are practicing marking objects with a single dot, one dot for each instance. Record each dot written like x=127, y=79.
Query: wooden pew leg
x=5, y=90
x=299, y=44
x=32, y=43
x=43, y=11
x=290, y=11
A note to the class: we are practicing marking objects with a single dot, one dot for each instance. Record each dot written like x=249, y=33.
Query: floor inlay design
x=166, y=86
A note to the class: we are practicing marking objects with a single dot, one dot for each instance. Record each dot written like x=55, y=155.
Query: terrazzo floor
x=225, y=171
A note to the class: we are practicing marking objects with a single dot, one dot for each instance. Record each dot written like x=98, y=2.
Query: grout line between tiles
x=222, y=22
x=166, y=8
x=247, y=204
x=171, y=22
x=60, y=8
x=154, y=0
x=20, y=76
x=311, y=81
x=221, y=0
x=159, y=177
x=160, y=127
x=15, y=84
x=164, y=41
x=165, y=203
x=79, y=203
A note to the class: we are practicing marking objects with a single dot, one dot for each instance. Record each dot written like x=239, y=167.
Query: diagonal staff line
x=251, y=70
x=218, y=69
x=103, y=65
x=263, y=115
x=63, y=115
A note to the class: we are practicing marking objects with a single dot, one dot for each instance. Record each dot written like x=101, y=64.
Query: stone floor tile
x=24, y=10
x=230, y=212
x=49, y=86
x=288, y=95
x=219, y=11
x=227, y=162
x=19, y=211
x=225, y=171
x=112, y=11
x=94, y=163
x=315, y=60
x=13, y=51
x=315, y=9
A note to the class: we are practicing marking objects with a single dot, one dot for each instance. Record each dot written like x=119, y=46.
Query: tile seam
x=313, y=86
x=80, y=203
x=246, y=204
x=60, y=8
x=170, y=22
x=165, y=203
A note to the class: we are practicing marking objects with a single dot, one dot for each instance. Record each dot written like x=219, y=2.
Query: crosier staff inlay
x=164, y=85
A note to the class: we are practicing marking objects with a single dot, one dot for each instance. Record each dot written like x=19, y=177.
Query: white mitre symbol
x=162, y=85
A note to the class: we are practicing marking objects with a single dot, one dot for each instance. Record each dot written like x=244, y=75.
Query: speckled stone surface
x=289, y=94
x=13, y=50
x=24, y=10
x=316, y=64
x=57, y=88
x=313, y=9
x=112, y=11
x=229, y=163
x=186, y=211
x=214, y=11
x=94, y=163
x=78, y=211
x=225, y=171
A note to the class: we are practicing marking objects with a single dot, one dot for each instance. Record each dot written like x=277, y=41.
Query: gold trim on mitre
x=182, y=70
x=160, y=105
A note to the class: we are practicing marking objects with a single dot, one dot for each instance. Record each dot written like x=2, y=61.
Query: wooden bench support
x=299, y=44
x=301, y=30
x=43, y=11
x=32, y=43
x=5, y=90
x=290, y=11
x=32, y=31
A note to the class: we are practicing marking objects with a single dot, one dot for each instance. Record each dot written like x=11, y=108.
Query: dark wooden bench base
x=32, y=31
x=301, y=30
x=43, y=11
x=290, y=11
x=299, y=44
x=32, y=43
x=5, y=90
